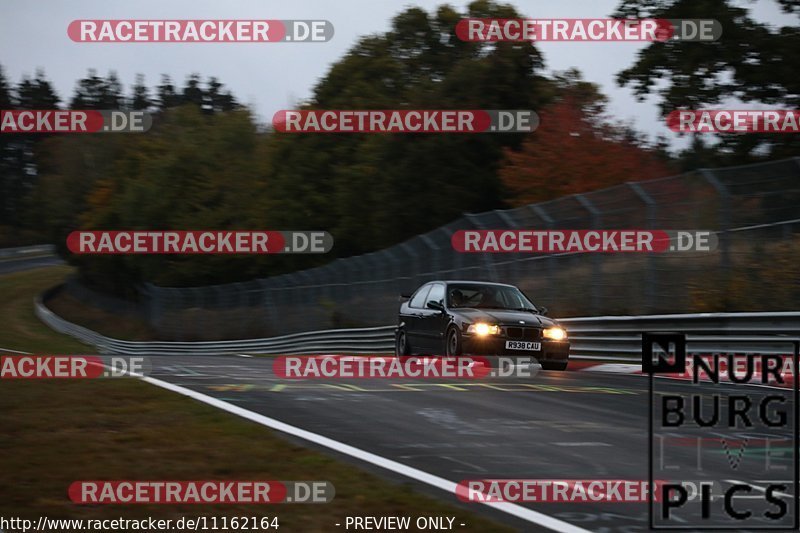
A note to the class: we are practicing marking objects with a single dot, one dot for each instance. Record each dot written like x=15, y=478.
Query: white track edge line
x=510, y=508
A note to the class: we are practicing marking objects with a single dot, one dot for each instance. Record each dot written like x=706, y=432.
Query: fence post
x=304, y=279
x=268, y=301
x=724, y=218
x=488, y=258
x=539, y=211
x=368, y=287
x=512, y=224
x=596, y=268
x=434, y=252
x=391, y=284
x=651, y=274
x=413, y=253
x=456, y=263
x=197, y=298
x=150, y=305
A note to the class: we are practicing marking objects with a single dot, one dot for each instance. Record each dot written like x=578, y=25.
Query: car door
x=433, y=322
x=413, y=316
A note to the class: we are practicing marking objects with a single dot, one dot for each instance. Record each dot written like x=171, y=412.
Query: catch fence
x=753, y=209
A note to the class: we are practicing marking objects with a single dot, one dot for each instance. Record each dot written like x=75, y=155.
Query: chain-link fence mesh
x=753, y=209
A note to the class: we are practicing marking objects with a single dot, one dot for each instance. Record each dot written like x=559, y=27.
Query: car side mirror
x=543, y=311
x=405, y=295
x=433, y=304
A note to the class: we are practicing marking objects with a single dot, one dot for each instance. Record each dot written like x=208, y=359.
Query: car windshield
x=488, y=297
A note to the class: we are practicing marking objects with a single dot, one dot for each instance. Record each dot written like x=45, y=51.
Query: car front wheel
x=453, y=347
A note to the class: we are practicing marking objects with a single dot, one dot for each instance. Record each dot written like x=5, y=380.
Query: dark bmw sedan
x=479, y=318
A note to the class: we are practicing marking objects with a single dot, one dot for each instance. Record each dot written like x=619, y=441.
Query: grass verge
x=56, y=432
x=22, y=330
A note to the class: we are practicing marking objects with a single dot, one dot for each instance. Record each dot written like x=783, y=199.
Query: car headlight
x=555, y=334
x=482, y=329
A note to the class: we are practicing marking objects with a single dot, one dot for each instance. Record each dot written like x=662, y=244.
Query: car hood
x=505, y=317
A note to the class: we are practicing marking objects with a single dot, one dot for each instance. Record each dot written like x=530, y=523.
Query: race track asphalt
x=554, y=425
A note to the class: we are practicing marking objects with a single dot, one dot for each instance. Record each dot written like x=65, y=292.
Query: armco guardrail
x=613, y=338
x=618, y=337
x=360, y=340
x=27, y=251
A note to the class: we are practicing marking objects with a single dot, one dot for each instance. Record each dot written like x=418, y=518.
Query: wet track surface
x=555, y=425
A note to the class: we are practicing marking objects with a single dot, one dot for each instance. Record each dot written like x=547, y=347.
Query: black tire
x=404, y=349
x=452, y=344
x=554, y=365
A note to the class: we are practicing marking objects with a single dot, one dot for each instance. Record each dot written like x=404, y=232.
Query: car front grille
x=527, y=334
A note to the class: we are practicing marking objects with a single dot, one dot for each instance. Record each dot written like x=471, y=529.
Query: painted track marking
x=512, y=509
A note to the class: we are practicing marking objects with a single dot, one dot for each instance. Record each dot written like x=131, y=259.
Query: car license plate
x=523, y=345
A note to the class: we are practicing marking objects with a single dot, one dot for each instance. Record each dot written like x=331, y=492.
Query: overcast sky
x=269, y=77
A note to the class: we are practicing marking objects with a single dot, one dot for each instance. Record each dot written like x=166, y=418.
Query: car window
x=436, y=294
x=418, y=300
x=514, y=299
x=465, y=296
x=487, y=297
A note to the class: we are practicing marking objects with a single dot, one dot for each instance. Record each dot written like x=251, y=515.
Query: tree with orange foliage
x=576, y=149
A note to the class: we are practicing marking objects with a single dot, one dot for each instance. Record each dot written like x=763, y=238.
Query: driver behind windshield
x=456, y=298
x=491, y=299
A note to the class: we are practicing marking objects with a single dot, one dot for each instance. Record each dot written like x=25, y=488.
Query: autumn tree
x=576, y=148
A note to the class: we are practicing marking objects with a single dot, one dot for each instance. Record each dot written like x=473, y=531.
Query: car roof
x=468, y=282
